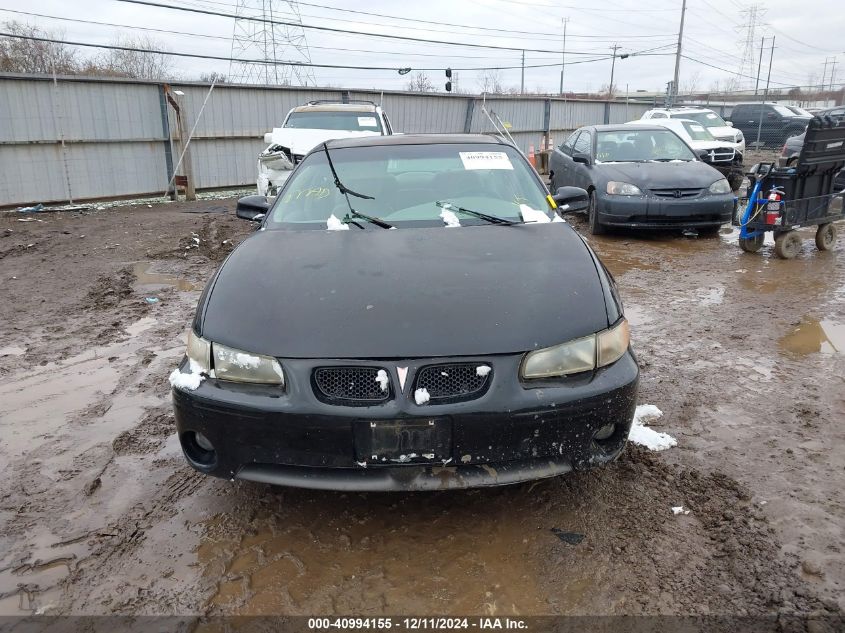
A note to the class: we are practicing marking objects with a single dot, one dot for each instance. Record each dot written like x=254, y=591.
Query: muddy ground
x=99, y=513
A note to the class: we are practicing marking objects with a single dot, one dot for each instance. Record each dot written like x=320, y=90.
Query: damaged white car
x=307, y=126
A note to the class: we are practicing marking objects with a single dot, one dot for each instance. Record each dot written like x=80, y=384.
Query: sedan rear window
x=406, y=181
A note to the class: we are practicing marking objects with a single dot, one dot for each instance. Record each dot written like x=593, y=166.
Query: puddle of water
x=637, y=315
x=145, y=277
x=825, y=336
x=12, y=350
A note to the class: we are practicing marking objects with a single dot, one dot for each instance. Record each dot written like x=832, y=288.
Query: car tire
x=826, y=236
x=596, y=227
x=788, y=245
x=752, y=244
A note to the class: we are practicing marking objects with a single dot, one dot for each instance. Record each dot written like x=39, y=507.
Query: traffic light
x=448, y=77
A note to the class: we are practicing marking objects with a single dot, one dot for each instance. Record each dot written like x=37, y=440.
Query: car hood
x=302, y=140
x=724, y=132
x=408, y=293
x=660, y=175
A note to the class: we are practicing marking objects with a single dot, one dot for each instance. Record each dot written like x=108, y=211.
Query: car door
x=581, y=175
x=560, y=164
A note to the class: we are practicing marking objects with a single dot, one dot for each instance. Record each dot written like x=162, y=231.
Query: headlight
x=235, y=365
x=583, y=354
x=720, y=186
x=739, y=137
x=623, y=189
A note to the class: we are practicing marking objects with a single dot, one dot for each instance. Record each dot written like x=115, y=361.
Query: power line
x=289, y=62
x=349, y=31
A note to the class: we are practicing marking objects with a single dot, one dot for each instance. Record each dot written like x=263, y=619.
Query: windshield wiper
x=493, y=219
x=346, y=191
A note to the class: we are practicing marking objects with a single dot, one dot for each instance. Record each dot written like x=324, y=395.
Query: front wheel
x=596, y=227
x=788, y=245
x=751, y=244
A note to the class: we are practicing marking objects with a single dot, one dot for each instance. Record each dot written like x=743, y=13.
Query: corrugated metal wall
x=97, y=138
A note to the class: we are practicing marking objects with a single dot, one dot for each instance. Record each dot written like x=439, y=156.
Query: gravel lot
x=99, y=513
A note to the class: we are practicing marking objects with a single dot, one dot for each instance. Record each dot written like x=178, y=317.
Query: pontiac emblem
x=403, y=374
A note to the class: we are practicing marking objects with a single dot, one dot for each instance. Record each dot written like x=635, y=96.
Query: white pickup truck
x=307, y=126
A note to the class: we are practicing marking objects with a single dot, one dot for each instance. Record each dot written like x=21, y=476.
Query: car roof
x=414, y=139
x=626, y=127
x=336, y=107
x=683, y=109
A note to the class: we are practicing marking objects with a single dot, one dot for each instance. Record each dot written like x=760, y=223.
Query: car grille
x=676, y=193
x=723, y=155
x=452, y=382
x=355, y=386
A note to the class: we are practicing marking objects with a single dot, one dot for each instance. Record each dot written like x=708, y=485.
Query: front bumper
x=664, y=213
x=509, y=434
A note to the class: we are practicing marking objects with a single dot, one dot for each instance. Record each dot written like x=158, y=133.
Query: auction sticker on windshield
x=367, y=121
x=485, y=160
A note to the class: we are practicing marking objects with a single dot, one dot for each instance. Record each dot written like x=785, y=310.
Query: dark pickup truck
x=778, y=122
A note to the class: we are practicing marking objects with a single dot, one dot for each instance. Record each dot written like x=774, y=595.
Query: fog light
x=203, y=442
x=199, y=449
x=604, y=432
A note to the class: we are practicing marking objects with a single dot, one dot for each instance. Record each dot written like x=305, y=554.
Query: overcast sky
x=807, y=33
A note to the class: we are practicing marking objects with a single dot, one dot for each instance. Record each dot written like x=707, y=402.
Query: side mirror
x=729, y=123
x=580, y=157
x=268, y=138
x=570, y=199
x=252, y=208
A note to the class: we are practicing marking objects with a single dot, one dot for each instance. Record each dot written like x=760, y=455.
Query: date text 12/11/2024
x=416, y=624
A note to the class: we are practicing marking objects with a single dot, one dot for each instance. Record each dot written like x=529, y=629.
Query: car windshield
x=406, y=182
x=783, y=110
x=335, y=120
x=697, y=131
x=707, y=119
x=641, y=146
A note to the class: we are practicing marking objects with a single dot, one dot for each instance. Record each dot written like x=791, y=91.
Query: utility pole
x=522, y=77
x=824, y=74
x=832, y=73
x=563, y=53
x=766, y=93
x=759, y=65
x=615, y=47
x=678, y=53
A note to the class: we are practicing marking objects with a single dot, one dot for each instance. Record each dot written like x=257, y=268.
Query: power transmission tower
x=263, y=48
x=753, y=16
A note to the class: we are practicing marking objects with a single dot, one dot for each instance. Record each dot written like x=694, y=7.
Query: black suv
x=778, y=122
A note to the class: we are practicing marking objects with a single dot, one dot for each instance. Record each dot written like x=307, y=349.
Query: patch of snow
x=533, y=215
x=557, y=218
x=333, y=224
x=482, y=370
x=421, y=396
x=676, y=510
x=449, y=218
x=382, y=379
x=641, y=434
x=189, y=381
x=404, y=458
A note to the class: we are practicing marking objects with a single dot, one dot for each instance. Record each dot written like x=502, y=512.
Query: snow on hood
x=303, y=140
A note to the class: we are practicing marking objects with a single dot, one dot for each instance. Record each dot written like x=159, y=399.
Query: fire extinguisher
x=774, y=205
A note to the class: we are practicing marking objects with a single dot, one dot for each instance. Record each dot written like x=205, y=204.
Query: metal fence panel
x=116, y=131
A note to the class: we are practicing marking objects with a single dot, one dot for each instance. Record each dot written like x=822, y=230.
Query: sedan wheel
x=596, y=227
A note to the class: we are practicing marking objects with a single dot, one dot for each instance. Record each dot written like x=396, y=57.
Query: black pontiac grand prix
x=412, y=314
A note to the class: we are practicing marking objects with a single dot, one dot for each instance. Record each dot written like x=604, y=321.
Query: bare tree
x=491, y=81
x=420, y=83
x=214, y=77
x=137, y=64
x=690, y=84
x=32, y=56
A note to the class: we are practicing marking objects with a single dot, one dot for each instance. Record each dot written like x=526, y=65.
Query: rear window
x=348, y=121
